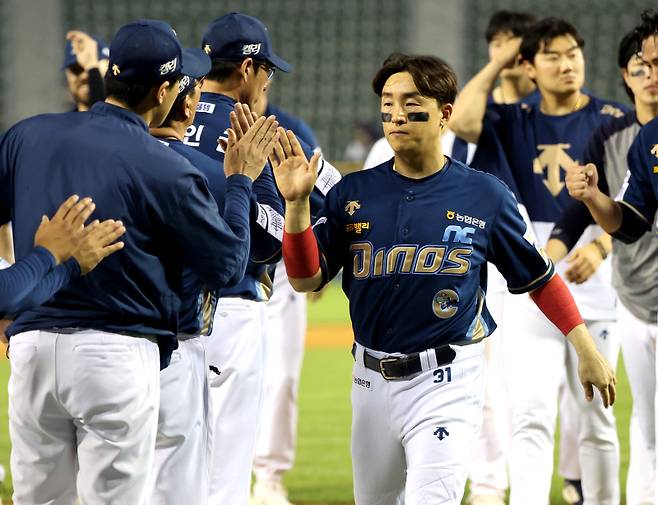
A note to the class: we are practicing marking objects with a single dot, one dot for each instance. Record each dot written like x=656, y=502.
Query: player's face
x=400, y=98
x=260, y=81
x=193, y=100
x=78, y=83
x=642, y=79
x=559, y=66
x=495, y=46
x=168, y=94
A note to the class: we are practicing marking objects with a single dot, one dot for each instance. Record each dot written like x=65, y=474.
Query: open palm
x=295, y=175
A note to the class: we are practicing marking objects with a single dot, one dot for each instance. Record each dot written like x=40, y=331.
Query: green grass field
x=322, y=473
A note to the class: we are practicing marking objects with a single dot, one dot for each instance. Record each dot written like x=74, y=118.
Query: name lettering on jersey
x=193, y=135
x=168, y=67
x=409, y=259
x=553, y=160
x=357, y=227
x=463, y=218
x=206, y=107
x=248, y=49
x=352, y=206
x=611, y=110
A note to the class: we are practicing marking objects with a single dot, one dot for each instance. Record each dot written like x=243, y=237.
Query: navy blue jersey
x=414, y=253
x=641, y=194
x=302, y=130
x=170, y=217
x=538, y=147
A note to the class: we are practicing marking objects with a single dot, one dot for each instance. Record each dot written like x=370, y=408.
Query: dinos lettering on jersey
x=409, y=259
x=554, y=160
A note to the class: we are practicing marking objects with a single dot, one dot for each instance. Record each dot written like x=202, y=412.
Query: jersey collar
x=107, y=109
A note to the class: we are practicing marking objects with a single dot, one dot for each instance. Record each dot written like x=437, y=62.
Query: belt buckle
x=383, y=371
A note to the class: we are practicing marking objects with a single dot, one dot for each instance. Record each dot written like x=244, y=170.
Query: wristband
x=301, y=254
x=555, y=301
x=601, y=248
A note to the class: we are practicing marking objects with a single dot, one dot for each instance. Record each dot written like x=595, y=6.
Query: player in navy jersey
x=412, y=236
x=90, y=357
x=539, y=142
x=85, y=64
x=630, y=221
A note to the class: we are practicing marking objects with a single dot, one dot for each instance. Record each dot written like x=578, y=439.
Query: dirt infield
x=329, y=337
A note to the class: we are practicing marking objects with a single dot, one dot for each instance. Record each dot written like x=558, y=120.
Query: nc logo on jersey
x=463, y=218
x=458, y=234
x=552, y=160
x=168, y=67
x=249, y=49
x=352, y=206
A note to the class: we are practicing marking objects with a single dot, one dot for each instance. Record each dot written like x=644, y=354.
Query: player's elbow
x=306, y=285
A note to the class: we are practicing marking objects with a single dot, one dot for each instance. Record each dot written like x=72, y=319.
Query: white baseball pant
x=489, y=468
x=638, y=344
x=181, y=471
x=83, y=409
x=236, y=350
x=285, y=333
x=537, y=353
x=413, y=440
x=568, y=462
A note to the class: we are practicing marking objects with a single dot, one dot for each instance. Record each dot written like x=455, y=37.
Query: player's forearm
x=300, y=249
x=471, y=103
x=6, y=243
x=556, y=250
x=581, y=340
x=605, y=211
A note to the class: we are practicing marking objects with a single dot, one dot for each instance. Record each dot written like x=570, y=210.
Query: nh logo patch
x=352, y=206
x=249, y=49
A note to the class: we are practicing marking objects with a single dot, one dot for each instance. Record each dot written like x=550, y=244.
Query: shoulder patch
x=205, y=107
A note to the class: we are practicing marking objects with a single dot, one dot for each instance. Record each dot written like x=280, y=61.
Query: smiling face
x=412, y=122
x=558, y=67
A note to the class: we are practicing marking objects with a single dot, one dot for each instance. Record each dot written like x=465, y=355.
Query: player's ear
x=187, y=108
x=446, y=112
x=529, y=70
x=246, y=68
x=161, y=92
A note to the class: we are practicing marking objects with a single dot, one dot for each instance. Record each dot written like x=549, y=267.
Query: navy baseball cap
x=235, y=36
x=201, y=70
x=148, y=52
x=69, y=55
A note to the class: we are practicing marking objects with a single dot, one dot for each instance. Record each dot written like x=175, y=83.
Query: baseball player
x=412, y=236
x=243, y=64
x=183, y=444
x=548, y=137
x=285, y=333
x=90, y=357
x=628, y=221
x=64, y=249
x=85, y=64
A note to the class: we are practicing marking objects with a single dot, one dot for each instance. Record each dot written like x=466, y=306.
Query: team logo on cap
x=206, y=49
x=168, y=67
x=115, y=69
x=249, y=49
x=184, y=82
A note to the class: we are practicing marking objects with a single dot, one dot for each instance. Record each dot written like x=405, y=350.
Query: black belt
x=401, y=367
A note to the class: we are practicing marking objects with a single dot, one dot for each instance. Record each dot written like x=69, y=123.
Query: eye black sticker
x=387, y=117
x=418, y=116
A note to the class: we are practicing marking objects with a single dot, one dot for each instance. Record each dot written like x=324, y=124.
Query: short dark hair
x=432, y=76
x=649, y=25
x=629, y=46
x=129, y=93
x=516, y=23
x=543, y=32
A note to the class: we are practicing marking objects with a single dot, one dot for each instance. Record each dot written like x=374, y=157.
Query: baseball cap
x=69, y=55
x=236, y=36
x=148, y=51
x=201, y=70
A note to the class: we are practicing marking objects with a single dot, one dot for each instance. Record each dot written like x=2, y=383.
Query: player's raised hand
x=295, y=175
x=583, y=263
x=62, y=234
x=247, y=149
x=506, y=53
x=98, y=242
x=582, y=181
x=84, y=47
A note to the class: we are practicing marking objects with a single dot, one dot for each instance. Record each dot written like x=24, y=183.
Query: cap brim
x=279, y=63
x=196, y=63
